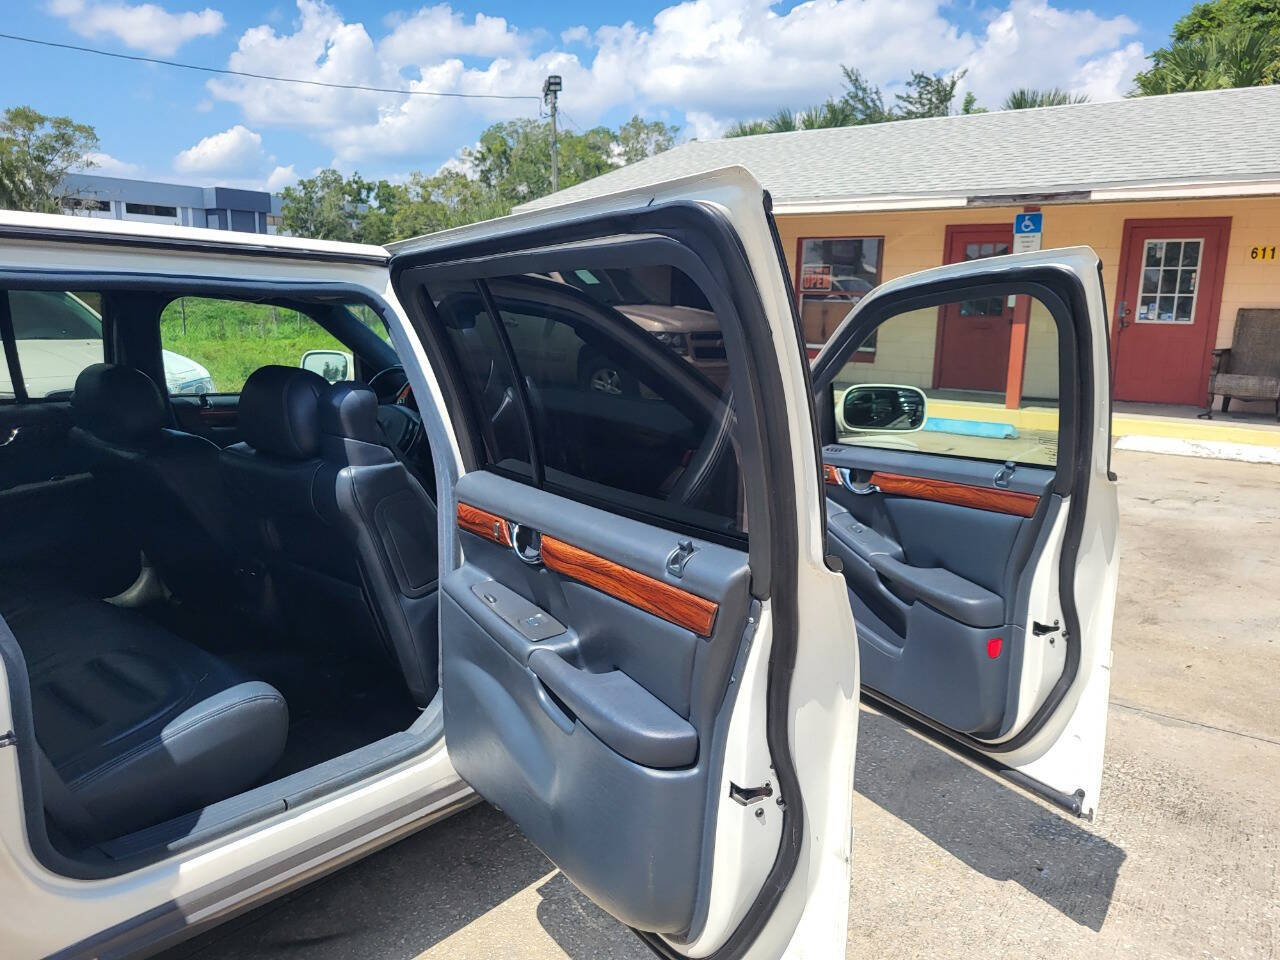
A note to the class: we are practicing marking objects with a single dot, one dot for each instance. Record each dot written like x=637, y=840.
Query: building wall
x=914, y=240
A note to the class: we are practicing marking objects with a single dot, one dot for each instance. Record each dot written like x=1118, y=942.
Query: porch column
x=1017, y=352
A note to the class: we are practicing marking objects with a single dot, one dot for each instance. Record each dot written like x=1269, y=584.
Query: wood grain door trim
x=672, y=604
x=483, y=524
x=1011, y=502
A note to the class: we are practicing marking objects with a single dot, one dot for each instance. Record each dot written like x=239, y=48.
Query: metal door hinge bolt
x=8, y=738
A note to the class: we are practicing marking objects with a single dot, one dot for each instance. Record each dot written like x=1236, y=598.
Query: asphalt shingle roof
x=1220, y=136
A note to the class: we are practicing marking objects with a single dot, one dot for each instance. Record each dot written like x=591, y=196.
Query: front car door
x=978, y=536
x=645, y=660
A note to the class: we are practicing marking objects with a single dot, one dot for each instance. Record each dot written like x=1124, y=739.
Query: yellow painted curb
x=1043, y=418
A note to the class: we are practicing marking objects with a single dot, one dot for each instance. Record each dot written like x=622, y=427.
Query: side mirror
x=882, y=407
x=333, y=365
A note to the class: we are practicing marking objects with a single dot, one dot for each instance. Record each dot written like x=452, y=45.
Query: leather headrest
x=279, y=411
x=118, y=404
x=350, y=410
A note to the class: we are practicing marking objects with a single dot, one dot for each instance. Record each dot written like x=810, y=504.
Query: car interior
x=224, y=604
x=220, y=601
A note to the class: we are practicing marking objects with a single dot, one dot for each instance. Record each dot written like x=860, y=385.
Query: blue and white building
x=220, y=208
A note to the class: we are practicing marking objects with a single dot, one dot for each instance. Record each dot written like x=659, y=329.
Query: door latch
x=678, y=559
x=749, y=795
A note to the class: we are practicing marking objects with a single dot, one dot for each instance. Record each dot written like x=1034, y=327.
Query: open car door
x=972, y=506
x=646, y=662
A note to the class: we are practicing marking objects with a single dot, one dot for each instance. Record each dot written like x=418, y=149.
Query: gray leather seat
x=163, y=482
x=136, y=726
x=345, y=533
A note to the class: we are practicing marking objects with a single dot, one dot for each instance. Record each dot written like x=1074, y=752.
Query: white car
x=58, y=335
x=622, y=619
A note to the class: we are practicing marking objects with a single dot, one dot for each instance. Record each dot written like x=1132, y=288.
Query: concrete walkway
x=949, y=862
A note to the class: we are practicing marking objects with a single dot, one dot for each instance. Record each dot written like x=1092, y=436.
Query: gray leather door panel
x=610, y=721
x=934, y=586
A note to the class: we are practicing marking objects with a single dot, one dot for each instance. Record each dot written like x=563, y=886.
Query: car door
x=978, y=529
x=645, y=660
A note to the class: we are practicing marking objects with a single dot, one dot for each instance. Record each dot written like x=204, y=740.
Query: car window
x=985, y=369
x=57, y=333
x=211, y=345
x=625, y=377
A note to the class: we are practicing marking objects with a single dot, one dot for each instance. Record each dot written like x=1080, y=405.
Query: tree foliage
x=1026, y=98
x=1217, y=45
x=510, y=164
x=36, y=154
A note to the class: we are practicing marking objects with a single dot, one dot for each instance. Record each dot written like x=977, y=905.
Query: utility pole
x=550, y=93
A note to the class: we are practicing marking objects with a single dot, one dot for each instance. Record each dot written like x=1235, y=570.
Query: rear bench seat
x=134, y=724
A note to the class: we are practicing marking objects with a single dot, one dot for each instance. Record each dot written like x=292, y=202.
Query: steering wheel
x=398, y=415
x=391, y=384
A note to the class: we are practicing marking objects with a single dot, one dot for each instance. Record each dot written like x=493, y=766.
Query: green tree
x=863, y=99
x=1025, y=98
x=928, y=95
x=324, y=207
x=1220, y=44
x=36, y=154
x=639, y=138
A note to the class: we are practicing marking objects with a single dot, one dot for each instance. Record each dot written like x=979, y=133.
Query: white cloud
x=279, y=178
x=142, y=26
x=238, y=150
x=110, y=166
x=714, y=61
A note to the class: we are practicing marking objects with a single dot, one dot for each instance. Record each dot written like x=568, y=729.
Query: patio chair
x=1250, y=368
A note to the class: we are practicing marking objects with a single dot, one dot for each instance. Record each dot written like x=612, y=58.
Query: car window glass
x=211, y=345
x=987, y=367
x=57, y=334
x=627, y=382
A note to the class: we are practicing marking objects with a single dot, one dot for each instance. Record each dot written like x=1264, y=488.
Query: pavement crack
x=1192, y=723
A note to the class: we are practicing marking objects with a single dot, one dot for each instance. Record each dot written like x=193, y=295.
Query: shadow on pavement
x=402, y=901
x=989, y=826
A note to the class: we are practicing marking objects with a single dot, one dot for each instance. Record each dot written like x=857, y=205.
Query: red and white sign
x=815, y=278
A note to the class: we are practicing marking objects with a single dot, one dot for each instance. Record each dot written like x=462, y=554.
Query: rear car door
x=645, y=659
x=978, y=528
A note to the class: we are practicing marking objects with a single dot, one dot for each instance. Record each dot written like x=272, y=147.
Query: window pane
x=834, y=275
x=1164, y=311
x=211, y=345
x=478, y=349
x=1155, y=251
x=1172, y=252
x=964, y=385
x=628, y=380
x=1187, y=281
x=1183, y=311
x=1191, y=253
x=58, y=333
x=1150, y=281
x=1168, y=281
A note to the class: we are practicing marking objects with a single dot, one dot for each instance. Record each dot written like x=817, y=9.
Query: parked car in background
x=58, y=334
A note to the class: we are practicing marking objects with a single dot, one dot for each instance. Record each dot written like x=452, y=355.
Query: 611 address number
x=1262, y=253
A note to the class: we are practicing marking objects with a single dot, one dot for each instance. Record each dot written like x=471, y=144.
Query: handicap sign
x=1026, y=232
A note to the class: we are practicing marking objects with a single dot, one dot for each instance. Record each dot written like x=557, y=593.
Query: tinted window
x=625, y=376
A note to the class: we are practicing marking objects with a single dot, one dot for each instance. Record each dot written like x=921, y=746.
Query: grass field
x=232, y=338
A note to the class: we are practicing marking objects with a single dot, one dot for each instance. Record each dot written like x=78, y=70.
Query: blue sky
x=699, y=64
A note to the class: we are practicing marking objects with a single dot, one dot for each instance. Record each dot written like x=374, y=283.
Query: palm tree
x=1233, y=58
x=1025, y=98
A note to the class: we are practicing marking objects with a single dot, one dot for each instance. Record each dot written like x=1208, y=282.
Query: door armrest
x=623, y=715
x=943, y=590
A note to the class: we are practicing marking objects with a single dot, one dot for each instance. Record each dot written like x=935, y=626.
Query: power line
x=263, y=76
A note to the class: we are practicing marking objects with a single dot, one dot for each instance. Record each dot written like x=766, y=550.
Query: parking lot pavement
x=948, y=861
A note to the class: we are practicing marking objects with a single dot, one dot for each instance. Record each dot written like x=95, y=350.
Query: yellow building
x=1178, y=195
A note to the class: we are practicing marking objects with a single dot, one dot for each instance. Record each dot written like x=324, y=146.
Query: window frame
x=862, y=354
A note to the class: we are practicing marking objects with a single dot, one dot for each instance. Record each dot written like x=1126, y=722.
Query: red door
x=972, y=351
x=1167, y=308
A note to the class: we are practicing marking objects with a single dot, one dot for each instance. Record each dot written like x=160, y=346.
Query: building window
x=84, y=203
x=150, y=210
x=835, y=273
x=1169, y=271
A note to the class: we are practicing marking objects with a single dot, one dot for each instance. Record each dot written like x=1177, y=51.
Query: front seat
x=163, y=482
x=134, y=725
x=344, y=532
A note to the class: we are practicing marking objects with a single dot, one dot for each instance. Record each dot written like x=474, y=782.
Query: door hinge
x=749, y=795
x=8, y=739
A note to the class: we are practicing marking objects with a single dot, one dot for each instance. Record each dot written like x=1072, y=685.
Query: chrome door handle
x=13, y=435
x=861, y=489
